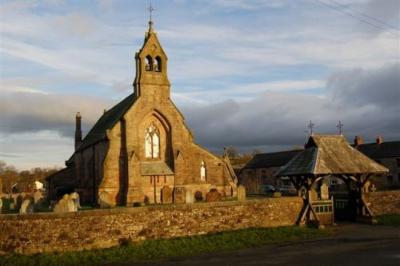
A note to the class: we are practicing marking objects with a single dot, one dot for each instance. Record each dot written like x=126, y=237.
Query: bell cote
x=151, y=66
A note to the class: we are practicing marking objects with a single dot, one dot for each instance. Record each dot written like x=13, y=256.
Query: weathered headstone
x=324, y=192
x=213, y=195
x=37, y=196
x=66, y=204
x=166, y=195
x=18, y=201
x=313, y=194
x=241, y=193
x=26, y=206
x=198, y=196
x=75, y=198
x=179, y=195
x=189, y=196
x=367, y=186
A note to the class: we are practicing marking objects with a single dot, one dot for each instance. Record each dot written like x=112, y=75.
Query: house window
x=152, y=142
x=203, y=171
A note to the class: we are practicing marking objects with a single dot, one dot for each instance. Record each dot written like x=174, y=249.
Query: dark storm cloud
x=360, y=87
x=366, y=101
x=32, y=112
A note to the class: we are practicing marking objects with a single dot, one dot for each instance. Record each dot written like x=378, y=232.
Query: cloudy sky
x=244, y=73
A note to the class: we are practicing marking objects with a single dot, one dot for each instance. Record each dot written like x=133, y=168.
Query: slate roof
x=275, y=159
x=378, y=151
x=330, y=154
x=107, y=121
x=155, y=168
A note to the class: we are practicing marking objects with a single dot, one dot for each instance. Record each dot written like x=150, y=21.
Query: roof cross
x=311, y=127
x=151, y=9
x=340, y=127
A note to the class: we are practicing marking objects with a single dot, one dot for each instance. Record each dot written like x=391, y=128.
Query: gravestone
x=37, y=196
x=75, y=198
x=189, y=196
x=213, y=195
x=66, y=204
x=166, y=195
x=313, y=194
x=324, y=192
x=26, y=206
x=18, y=201
x=366, y=187
x=179, y=195
x=241, y=193
x=198, y=196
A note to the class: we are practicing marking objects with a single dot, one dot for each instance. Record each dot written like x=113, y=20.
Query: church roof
x=330, y=155
x=107, y=121
x=274, y=159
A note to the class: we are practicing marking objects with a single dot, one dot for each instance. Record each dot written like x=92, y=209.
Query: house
x=141, y=150
x=260, y=171
x=385, y=153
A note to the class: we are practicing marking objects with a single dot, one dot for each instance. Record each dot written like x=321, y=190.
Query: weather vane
x=311, y=127
x=340, y=127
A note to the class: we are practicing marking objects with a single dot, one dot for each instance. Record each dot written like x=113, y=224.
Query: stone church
x=141, y=150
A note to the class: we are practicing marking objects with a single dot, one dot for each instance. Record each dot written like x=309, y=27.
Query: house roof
x=275, y=159
x=107, y=121
x=330, y=154
x=382, y=150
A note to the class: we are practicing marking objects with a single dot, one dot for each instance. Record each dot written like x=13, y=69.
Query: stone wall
x=384, y=202
x=48, y=232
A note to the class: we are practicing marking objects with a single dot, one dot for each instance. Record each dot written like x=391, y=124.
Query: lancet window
x=203, y=171
x=152, y=142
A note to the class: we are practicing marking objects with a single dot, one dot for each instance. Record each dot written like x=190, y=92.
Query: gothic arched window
x=152, y=142
x=149, y=63
x=203, y=171
x=157, y=64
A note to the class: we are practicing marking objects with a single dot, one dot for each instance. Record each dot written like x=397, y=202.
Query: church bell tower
x=151, y=67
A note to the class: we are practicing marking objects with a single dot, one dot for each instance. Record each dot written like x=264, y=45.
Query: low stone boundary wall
x=384, y=202
x=47, y=232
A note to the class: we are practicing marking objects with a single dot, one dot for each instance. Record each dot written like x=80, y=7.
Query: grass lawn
x=389, y=219
x=168, y=248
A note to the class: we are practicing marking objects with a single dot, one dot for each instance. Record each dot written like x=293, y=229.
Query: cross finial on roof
x=311, y=127
x=150, y=9
x=340, y=127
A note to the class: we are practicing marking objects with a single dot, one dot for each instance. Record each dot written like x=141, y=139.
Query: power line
x=338, y=9
x=367, y=16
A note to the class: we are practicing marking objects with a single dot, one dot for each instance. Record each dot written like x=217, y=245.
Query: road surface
x=351, y=244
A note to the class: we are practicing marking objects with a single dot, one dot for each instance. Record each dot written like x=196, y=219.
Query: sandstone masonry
x=47, y=232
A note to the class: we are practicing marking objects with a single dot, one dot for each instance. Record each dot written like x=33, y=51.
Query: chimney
x=78, y=130
x=358, y=140
x=379, y=140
